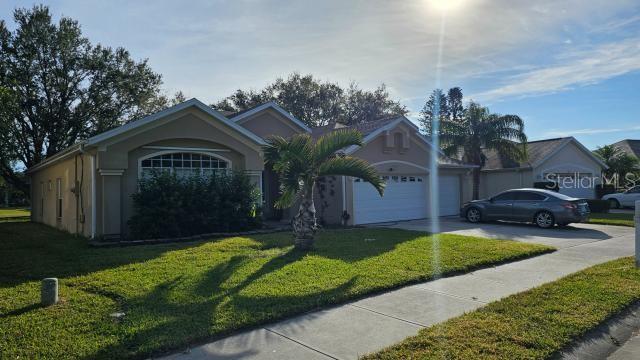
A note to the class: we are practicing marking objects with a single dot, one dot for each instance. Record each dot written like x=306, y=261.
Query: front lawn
x=176, y=294
x=611, y=219
x=534, y=324
x=14, y=213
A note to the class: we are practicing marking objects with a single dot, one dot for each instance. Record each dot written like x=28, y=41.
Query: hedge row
x=166, y=205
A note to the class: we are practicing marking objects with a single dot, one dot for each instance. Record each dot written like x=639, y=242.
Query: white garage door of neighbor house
x=580, y=188
x=405, y=198
x=449, y=189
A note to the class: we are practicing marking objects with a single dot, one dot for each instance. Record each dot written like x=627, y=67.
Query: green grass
x=177, y=294
x=611, y=219
x=14, y=213
x=531, y=325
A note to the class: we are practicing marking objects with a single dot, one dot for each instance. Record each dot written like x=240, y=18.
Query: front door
x=271, y=193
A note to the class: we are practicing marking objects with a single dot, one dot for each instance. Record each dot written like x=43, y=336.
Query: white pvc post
x=637, y=223
x=49, y=292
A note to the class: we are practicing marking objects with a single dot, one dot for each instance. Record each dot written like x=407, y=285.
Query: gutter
x=518, y=169
x=68, y=152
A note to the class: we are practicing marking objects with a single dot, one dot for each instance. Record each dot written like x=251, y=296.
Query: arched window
x=183, y=164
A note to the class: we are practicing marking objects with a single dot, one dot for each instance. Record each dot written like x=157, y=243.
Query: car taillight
x=569, y=205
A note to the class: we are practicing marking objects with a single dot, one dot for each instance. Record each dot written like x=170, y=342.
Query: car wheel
x=614, y=204
x=474, y=215
x=544, y=219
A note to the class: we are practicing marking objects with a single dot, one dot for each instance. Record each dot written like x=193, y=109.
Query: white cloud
x=576, y=68
x=588, y=131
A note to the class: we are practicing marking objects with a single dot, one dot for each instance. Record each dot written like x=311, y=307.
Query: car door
x=630, y=197
x=527, y=204
x=500, y=206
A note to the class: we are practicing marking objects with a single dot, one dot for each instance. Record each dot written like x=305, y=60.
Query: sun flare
x=446, y=5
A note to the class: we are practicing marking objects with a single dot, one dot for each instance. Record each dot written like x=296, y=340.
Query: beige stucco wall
x=465, y=179
x=494, y=182
x=270, y=122
x=116, y=169
x=190, y=129
x=44, y=204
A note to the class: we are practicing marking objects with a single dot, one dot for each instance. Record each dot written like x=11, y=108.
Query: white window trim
x=185, y=150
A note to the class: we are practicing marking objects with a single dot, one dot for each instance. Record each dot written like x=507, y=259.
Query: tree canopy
x=620, y=164
x=447, y=106
x=316, y=102
x=56, y=87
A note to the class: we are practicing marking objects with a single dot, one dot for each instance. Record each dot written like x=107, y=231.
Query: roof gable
x=538, y=152
x=246, y=114
x=146, y=121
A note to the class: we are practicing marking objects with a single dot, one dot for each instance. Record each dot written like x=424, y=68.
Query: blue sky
x=567, y=67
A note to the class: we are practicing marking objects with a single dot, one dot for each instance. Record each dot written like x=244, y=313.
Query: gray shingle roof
x=536, y=150
x=631, y=147
x=365, y=128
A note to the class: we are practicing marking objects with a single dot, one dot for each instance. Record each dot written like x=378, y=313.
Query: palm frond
x=275, y=145
x=278, y=149
x=286, y=199
x=332, y=142
x=350, y=166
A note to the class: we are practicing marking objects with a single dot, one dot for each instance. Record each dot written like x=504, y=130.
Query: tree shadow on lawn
x=356, y=244
x=170, y=323
x=32, y=251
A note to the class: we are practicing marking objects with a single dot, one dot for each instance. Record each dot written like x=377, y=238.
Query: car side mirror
x=491, y=200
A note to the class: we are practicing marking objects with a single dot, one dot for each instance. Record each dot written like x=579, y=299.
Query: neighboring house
x=631, y=147
x=564, y=160
x=87, y=188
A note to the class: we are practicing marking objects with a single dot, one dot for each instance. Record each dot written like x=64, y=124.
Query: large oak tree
x=316, y=102
x=56, y=88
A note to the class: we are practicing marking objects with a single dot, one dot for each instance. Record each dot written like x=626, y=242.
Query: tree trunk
x=304, y=223
x=476, y=183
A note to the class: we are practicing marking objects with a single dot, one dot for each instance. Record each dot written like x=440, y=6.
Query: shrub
x=546, y=185
x=166, y=205
x=598, y=206
x=604, y=189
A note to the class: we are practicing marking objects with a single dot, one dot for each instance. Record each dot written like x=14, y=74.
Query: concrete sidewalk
x=370, y=324
x=629, y=351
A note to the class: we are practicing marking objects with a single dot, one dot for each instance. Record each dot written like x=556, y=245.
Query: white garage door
x=449, y=188
x=405, y=198
x=576, y=185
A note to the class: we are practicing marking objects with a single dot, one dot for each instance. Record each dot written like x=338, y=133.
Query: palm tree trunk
x=476, y=183
x=304, y=223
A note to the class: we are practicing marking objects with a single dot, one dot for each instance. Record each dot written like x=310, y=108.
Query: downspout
x=76, y=191
x=93, y=197
x=80, y=216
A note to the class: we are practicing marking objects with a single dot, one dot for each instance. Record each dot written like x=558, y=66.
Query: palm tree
x=300, y=161
x=619, y=163
x=609, y=154
x=480, y=130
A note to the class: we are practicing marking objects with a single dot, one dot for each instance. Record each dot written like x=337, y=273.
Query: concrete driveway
x=560, y=238
x=350, y=330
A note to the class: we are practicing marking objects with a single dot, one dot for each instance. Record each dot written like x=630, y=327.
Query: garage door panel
x=402, y=201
